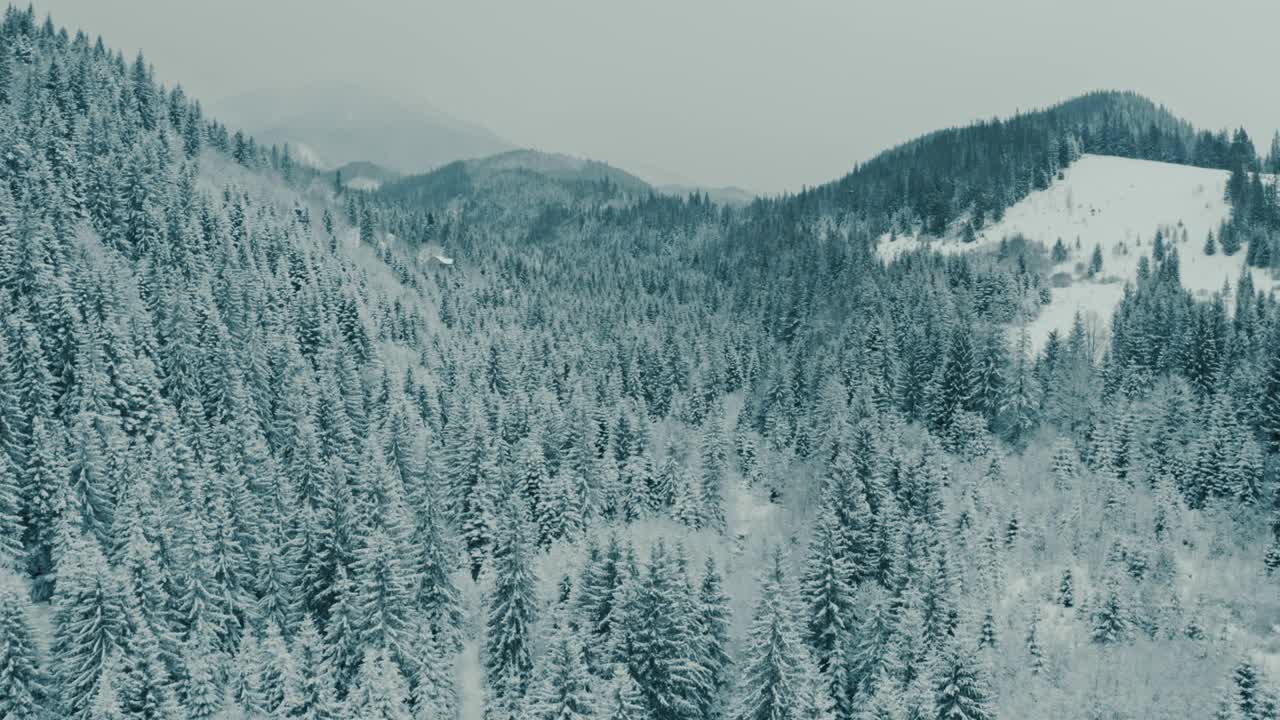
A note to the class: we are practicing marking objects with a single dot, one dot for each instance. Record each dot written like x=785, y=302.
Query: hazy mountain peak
x=345, y=123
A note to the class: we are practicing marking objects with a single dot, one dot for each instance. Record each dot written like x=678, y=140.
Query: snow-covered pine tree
x=649, y=638
x=12, y=528
x=141, y=673
x=828, y=604
x=623, y=700
x=1066, y=589
x=1064, y=464
x=565, y=692
x=714, y=461
x=773, y=681
x=687, y=508
x=278, y=673
x=200, y=689
x=106, y=700
x=714, y=618
x=44, y=496
x=383, y=595
x=1248, y=692
x=988, y=635
x=435, y=695
x=962, y=686
x=24, y=688
x=245, y=677
x=343, y=649
x=90, y=623
x=380, y=691
x=1112, y=621
x=513, y=608
x=438, y=597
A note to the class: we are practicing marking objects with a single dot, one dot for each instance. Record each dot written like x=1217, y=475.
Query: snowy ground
x=1116, y=203
x=470, y=683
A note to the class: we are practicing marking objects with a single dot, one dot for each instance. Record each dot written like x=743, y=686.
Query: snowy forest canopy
x=264, y=455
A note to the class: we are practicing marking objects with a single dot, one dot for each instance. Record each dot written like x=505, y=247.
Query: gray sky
x=767, y=95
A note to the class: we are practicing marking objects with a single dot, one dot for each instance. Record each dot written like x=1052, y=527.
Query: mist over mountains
x=346, y=123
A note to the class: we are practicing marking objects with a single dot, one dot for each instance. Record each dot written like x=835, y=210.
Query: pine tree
x=599, y=600
x=106, y=700
x=343, y=649
x=89, y=624
x=44, y=497
x=1269, y=404
x=687, y=508
x=987, y=633
x=245, y=676
x=886, y=704
x=624, y=701
x=773, y=672
x=477, y=520
x=278, y=673
x=872, y=658
x=1020, y=406
x=691, y=677
x=278, y=572
x=714, y=456
x=1111, y=621
x=12, y=528
x=1095, y=262
x=513, y=608
x=24, y=690
x=438, y=596
x=380, y=691
x=383, y=595
x=962, y=686
x=144, y=686
x=1063, y=464
x=650, y=641
x=565, y=693
x=713, y=611
x=1248, y=700
x=1066, y=590
x=200, y=690
x=827, y=597
x=435, y=696
x=88, y=482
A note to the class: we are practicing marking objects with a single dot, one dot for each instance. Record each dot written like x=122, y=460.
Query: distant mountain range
x=376, y=140
x=526, y=167
x=329, y=127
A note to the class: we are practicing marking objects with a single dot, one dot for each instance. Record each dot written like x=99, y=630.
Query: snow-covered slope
x=1118, y=204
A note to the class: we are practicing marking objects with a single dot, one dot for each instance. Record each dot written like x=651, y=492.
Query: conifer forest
x=519, y=439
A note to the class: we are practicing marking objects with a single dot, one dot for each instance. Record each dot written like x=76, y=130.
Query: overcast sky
x=768, y=95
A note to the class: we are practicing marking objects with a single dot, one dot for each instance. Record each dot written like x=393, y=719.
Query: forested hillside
x=960, y=179
x=627, y=456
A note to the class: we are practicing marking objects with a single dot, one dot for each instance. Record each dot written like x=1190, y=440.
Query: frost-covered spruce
x=513, y=608
x=773, y=671
x=380, y=691
x=962, y=686
x=435, y=695
x=563, y=691
x=24, y=689
x=713, y=621
x=827, y=597
x=90, y=624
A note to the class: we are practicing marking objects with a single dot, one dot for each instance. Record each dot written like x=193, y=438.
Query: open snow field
x=1118, y=204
